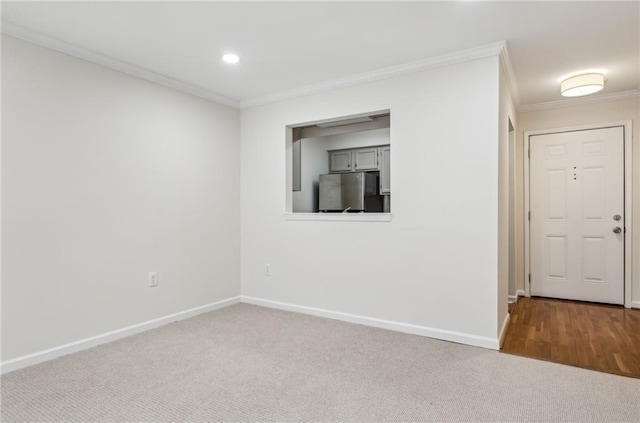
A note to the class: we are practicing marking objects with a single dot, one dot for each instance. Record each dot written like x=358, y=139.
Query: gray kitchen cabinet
x=340, y=161
x=365, y=159
x=385, y=170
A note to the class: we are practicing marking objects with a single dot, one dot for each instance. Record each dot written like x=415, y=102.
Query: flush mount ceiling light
x=586, y=83
x=231, y=58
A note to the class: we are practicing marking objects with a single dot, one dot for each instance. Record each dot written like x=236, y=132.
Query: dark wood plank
x=599, y=337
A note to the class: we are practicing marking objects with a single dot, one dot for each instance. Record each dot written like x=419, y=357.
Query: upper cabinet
x=355, y=159
x=385, y=170
x=364, y=159
x=340, y=161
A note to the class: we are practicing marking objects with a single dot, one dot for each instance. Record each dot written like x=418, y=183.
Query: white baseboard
x=635, y=304
x=514, y=298
x=83, y=344
x=503, y=329
x=445, y=335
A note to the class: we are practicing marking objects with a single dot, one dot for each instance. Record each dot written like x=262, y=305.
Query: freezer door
x=353, y=185
x=330, y=192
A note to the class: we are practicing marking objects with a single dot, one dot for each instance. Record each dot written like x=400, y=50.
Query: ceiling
x=287, y=46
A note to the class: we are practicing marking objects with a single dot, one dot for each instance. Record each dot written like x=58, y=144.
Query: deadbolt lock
x=617, y=217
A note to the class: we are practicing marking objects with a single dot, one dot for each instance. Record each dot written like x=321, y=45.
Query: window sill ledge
x=339, y=217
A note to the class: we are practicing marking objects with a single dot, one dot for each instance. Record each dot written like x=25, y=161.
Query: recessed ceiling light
x=231, y=58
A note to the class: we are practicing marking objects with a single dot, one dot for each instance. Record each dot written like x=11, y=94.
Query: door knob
x=617, y=230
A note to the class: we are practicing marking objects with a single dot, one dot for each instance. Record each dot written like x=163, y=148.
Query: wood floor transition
x=599, y=337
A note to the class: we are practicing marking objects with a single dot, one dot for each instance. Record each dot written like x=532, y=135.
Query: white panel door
x=576, y=195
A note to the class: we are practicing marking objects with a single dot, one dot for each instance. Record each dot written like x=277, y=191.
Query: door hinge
x=529, y=277
x=529, y=152
x=529, y=215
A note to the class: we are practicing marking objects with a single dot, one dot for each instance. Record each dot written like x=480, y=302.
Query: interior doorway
x=578, y=206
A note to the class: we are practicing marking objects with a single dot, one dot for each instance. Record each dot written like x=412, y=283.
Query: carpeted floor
x=247, y=363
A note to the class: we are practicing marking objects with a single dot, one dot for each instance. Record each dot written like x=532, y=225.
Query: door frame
x=628, y=198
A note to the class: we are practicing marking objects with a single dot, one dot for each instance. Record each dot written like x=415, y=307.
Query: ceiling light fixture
x=231, y=58
x=345, y=122
x=584, y=84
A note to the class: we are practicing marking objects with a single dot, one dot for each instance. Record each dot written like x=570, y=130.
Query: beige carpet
x=246, y=363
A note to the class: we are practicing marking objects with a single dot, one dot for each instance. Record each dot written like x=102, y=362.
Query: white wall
x=106, y=177
x=507, y=113
x=605, y=112
x=436, y=263
x=315, y=161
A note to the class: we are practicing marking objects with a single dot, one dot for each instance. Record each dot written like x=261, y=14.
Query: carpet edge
x=441, y=334
x=93, y=341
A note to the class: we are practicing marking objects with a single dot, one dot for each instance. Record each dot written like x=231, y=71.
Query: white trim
x=84, y=54
x=498, y=48
x=635, y=304
x=526, y=209
x=339, y=217
x=503, y=329
x=507, y=69
x=579, y=101
x=628, y=198
x=514, y=298
x=628, y=212
x=83, y=344
x=446, y=335
x=375, y=75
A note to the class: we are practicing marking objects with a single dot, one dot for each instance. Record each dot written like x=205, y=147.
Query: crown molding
x=495, y=49
x=621, y=95
x=507, y=69
x=481, y=52
x=35, y=37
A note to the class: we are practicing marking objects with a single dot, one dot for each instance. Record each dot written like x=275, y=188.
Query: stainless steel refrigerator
x=350, y=192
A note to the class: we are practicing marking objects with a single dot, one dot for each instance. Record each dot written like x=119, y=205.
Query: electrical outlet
x=153, y=279
x=267, y=270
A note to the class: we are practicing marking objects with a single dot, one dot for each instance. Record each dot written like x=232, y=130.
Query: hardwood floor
x=594, y=336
